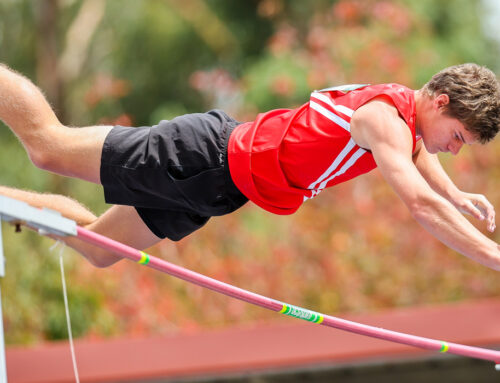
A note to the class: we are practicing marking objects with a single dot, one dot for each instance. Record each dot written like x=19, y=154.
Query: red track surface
x=284, y=344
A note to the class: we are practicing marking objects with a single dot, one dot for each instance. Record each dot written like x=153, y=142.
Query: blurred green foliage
x=354, y=248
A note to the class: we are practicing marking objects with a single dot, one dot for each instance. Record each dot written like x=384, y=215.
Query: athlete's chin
x=431, y=149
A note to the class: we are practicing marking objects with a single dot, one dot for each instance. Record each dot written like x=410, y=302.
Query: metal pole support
x=3, y=365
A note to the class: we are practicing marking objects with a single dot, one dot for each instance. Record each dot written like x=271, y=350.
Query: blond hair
x=474, y=94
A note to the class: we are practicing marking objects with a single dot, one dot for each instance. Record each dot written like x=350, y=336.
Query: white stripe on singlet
x=330, y=115
x=334, y=164
x=327, y=100
x=327, y=175
x=350, y=162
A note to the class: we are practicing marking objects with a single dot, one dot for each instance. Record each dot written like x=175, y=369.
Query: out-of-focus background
x=354, y=249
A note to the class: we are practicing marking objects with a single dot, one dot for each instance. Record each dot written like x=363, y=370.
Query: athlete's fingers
x=487, y=210
x=473, y=209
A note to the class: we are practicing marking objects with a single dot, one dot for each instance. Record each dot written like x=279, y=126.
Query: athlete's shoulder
x=375, y=109
x=378, y=120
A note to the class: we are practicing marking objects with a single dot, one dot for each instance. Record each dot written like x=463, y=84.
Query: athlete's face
x=442, y=133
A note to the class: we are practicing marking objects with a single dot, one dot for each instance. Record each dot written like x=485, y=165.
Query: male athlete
x=166, y=181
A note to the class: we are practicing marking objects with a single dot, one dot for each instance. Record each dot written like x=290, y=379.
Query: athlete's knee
x=37, y=155
x=105, y=260
x=101, y=258
x=98, y=257
x=43, y=148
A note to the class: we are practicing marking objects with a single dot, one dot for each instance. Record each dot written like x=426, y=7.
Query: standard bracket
x=47, y=221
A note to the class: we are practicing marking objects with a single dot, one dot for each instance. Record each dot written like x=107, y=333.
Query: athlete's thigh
x=123, y=224
x=76, y=152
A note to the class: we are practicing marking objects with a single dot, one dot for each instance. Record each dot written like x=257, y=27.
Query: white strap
x=343, y=88
x=68, y=320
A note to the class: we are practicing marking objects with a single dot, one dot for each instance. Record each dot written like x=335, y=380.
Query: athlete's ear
x=441, y=101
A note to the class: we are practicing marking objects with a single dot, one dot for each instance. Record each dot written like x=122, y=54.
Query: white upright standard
x=46, y=222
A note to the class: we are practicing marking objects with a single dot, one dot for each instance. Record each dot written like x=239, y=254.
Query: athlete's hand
x=478, y=206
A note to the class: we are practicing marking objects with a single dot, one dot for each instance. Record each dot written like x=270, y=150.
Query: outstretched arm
x=474, y=204
x=378, y=127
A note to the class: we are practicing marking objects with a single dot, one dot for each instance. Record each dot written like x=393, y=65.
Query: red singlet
x=287, y=156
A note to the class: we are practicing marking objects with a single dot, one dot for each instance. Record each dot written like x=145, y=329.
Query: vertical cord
x=68, y=320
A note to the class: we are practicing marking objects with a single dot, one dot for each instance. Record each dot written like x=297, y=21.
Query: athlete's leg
x=68, y=151
x=121, y=223
x=68, y=207
x=74, y=152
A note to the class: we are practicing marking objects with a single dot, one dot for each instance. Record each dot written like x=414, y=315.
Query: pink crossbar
x=274, y=305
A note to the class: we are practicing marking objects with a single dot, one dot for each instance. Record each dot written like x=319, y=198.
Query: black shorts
x=175, y=173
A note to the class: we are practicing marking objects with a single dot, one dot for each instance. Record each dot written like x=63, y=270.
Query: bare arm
x=377, y=127
x=429, y=166
x=476, y=205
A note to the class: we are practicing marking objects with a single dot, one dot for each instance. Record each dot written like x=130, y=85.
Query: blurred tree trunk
x=48, y=78
x=78, y=39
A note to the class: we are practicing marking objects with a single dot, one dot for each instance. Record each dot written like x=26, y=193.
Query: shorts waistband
x=232, y=191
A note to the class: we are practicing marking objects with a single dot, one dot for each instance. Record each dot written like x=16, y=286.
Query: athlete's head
x=473, y=95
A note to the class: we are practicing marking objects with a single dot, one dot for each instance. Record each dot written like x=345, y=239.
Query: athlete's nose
x=455, y=147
